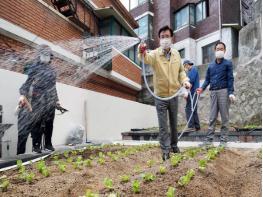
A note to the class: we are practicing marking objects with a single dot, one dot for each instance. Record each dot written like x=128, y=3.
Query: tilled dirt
x=234, y=173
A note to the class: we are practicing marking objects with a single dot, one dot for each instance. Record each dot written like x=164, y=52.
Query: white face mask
x=219, y=54
x=44, y=59
x=165, y=43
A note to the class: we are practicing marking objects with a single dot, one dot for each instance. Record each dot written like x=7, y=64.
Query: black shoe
x=197, y=129
x=49, y=147
x=176, y=150
x=37, y=149
x=189, y=130
x=166, y=156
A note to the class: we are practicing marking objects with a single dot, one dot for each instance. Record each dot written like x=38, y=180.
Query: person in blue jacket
x=192, y=73
x=220, y=78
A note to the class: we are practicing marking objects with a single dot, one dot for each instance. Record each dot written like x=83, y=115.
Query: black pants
x=38, y=122
x=170, y=107
x=194, y=122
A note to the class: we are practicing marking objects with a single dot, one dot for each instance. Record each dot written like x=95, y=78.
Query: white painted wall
x=227, y=37
x=189, y=45
x=193, y=48
x=107, y=116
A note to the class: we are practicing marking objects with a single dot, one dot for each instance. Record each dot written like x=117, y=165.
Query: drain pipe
x=86, y=121
x=1, y=114
x=219, y=20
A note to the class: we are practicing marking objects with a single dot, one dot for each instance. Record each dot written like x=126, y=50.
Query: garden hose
x=193, y=105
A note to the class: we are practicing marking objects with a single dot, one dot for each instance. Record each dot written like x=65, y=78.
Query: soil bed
x=234, y=172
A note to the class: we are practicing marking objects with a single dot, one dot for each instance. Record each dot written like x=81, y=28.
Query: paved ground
x=191, y=144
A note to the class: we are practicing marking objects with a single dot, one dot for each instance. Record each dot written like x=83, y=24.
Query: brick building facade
x=25, y=24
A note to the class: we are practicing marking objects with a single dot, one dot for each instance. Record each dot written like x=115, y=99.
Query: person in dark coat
x=192, y=73
x=37, y=114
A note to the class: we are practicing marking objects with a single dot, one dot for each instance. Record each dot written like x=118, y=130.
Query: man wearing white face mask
x=168, y=77
x=42, y=82
x=220, y=77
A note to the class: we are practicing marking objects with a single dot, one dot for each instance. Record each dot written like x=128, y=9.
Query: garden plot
x=116, y=170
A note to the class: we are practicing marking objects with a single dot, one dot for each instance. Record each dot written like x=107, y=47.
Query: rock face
x=248, y=75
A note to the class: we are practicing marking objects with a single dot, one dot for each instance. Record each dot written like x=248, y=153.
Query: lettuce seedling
x=162, y=169
x=89, y=193
x=202, y=163
x=125, y=178
x=101, y=161
x=28, y=177
x=4, y=185
x=66, y=154
x=20, y=166
x=62, y=167
x=150, y=163
x=170, y=192
x=184, y=180
x=87, y=163
x=108, y=183
x=136, y=186
x=42, y=168
x=176, y=159
x=148, y=177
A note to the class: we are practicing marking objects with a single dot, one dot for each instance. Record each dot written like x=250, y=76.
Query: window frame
x=111, y=21
x=192, y=14
x=182, y=50
x=206, y=46
x=202, y=2
x=179, y=10
x=137, y=4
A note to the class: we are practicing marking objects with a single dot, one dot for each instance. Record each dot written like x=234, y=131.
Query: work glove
x=185, y=95
x=187, y=85
x=232, y=98
x=142, y=48
x=22, y=101
x=199, y=90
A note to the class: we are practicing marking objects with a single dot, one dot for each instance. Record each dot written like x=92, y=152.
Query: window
x=208, y=53
x=116, y=28
x=191, y=14
x=132, y=53
x=150, y=27
x=201, y=11
x=110, y=26
x=182, y=17
x=105, y=27
x=125, y=33
x=131, y=4
x=135, y=3
x=145, y=29
x=182, y=53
